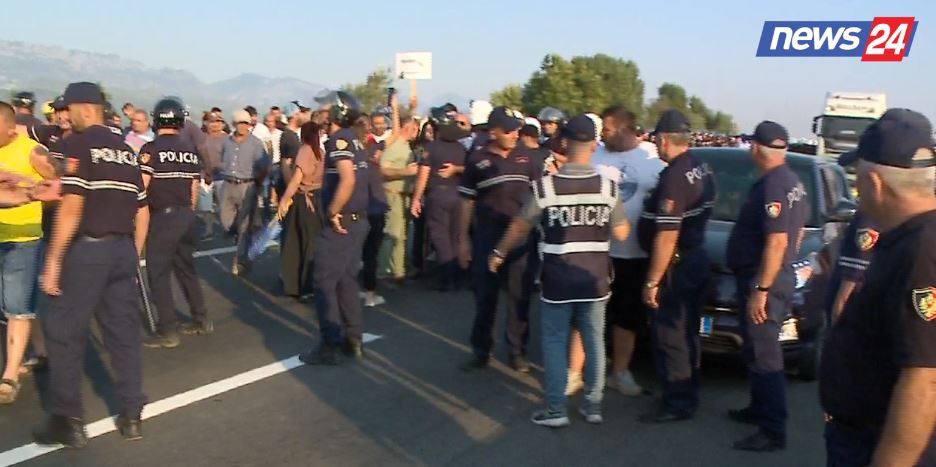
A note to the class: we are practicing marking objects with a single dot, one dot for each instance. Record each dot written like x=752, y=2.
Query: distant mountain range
x=47, y=70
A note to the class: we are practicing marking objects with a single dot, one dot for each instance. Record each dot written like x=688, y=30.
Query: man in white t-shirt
x=636, y=172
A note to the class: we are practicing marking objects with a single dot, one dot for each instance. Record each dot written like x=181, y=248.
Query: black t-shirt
x=173, y=164
x=289, y=144
x=888, y=325
x=101, y=168
x=46, y=135
x=499, y=185
x=437, y=154
x=777, y=203
x=28, y=121
x=683, y=201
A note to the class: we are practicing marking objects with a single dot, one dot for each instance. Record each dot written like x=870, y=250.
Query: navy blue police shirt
x=683, y=201
x=437, y=154
x=857, y=245
x=777, y=203
x=101, y=168
x=888, y=325
x=174, y=165
x=344, y=146
x=500, y=186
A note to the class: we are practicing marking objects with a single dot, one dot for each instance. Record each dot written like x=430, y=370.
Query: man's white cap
x=478, y=112
x=598, y=125
x=533, y=121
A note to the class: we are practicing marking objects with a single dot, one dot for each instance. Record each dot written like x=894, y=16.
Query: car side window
x=834, y=188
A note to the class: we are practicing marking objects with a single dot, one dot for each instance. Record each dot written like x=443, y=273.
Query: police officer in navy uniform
x=761, y=249
x=672, y=230
x=878, y=370
x=442, y=163
x=25, y=103
x=91, y=269
x=172, y=169
x=494, y=187
x=857, y=247
x=338, y=256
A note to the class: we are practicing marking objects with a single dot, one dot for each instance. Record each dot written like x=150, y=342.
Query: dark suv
x=831, y=207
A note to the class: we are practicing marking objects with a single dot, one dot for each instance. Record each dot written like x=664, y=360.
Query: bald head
x=7, y=114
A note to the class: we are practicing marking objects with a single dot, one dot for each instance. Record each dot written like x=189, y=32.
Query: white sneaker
x=624, y=383
x=574, y=384
x=377, y=301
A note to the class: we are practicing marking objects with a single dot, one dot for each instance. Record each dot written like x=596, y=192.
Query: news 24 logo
x=885, y=39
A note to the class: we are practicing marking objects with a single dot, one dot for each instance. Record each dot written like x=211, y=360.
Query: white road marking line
x=214, y=252
x=106, y=425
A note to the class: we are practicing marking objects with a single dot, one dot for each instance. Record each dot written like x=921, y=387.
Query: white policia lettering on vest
x=182, y=157
x=697, y=173
x=113, y=156
x=582, y=215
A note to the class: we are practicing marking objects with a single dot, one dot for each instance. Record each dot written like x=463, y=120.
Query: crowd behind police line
x=519, y=202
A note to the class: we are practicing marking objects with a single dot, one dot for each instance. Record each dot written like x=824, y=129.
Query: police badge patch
x=666, y=206
x=341, y=144
x=773, y=209
x=144, y=158
x=866, y=239
x=924, y=302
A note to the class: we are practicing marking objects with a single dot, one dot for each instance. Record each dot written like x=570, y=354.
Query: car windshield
x=735, y=173
x=847, y=128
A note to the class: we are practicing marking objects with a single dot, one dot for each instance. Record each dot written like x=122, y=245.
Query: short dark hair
x=622, y=116
x=530, y=131
x=126, y=106
x=274, y=108
x=251, y=110
x=216, y=109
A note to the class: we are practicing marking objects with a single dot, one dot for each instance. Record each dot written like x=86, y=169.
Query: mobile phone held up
x=390, y=93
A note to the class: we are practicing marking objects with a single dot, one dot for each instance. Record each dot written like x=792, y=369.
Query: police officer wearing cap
x=25, y=104
x=878, y=370
x=442, y=163
x=494, y=187
x=50, y=134
x=761, y=249
x=171, y=173
x=91, y=269
x=338, y=256
x=672, y=230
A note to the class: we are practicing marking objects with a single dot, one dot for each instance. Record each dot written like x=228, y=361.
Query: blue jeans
x=19, y=273
x=556, y=321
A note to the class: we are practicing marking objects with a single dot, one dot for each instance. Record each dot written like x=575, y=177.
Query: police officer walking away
x=578, y=211
x=338, y=256
x=171, y=172
x=879, y=359
x=494, y=188
x=90, y=270
x=672, y=230
x=761, y=249
x=442, y=163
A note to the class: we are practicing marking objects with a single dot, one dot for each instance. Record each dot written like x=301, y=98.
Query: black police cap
x=504, y=118
x=672, y=121
x=24, y=99
x=59, y=103
x=83, y=93
x=580, y=128
x=768, y=133
x=901, y=138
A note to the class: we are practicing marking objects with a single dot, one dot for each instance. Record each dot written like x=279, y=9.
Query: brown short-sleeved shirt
x=312, y=168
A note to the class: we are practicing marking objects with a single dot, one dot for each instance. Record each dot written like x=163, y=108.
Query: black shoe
x=744, y=415
x=663, y=416
x=476, y=363
x=353, y=348
x=130, y=428
x=197, y=328
x=759, y=442
x=167, y=341
x=69, y=432
x=519, y=364
x=324, y=355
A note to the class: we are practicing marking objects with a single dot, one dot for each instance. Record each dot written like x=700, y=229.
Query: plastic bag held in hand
x=259, y=245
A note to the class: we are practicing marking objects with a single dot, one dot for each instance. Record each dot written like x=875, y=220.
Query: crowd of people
x=607, y=221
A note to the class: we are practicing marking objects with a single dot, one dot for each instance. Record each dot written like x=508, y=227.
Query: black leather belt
x=237, y=181
x=103, y=238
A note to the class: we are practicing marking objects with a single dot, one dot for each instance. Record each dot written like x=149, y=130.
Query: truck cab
x=844, y=118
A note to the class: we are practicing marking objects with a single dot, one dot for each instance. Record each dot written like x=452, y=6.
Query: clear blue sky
x=479, y=46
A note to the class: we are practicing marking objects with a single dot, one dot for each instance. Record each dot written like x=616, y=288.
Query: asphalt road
x=406, y=404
